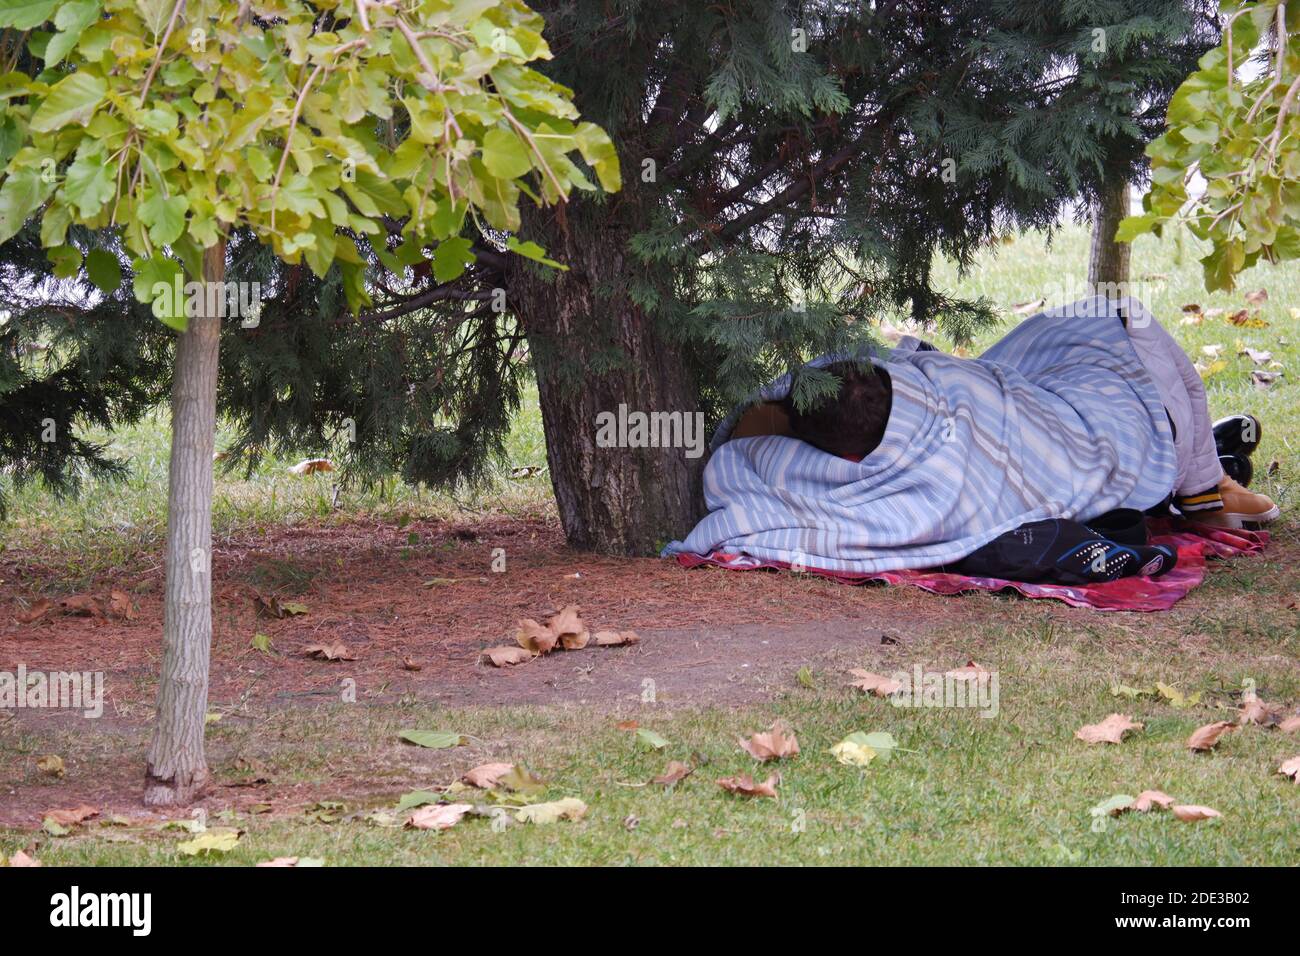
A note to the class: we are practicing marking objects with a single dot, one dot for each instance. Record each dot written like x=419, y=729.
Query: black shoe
x=1237, y=435
x=1238, y=468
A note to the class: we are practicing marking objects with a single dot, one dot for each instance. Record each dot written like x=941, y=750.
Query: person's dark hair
x=852, y=423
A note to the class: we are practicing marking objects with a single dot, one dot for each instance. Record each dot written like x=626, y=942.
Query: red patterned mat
x=1195, y=544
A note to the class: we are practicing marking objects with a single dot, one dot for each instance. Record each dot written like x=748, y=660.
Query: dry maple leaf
x=121, y=605
x=627, y=725
x=1152, y=798
x=35, y=612
x=874, y=683
x=777, y=742
x=22, y=859
x=311, y=465
x=615, y=638
x=505, y=656
x=744, y=785
x=1290, y=725
x=675, y=771
x=568, y=627
x=70, y=818
x=336, y=651
x=410, y=664
x=1109, y=731
x=81, y=605
x=1291, y=768
x=534, y=637
x=488, y=775
x=1258, y=297
x=1257, y=712
x=1204, y=738
x=1191, y=812
x=438, y=816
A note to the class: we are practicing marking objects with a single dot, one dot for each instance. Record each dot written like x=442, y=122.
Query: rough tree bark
x=614, y=500
x=177, y=770
x=1108, y=264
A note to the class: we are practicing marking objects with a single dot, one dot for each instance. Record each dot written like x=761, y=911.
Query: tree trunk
x=1108, y=265
x=594, y=350
x=177, y=771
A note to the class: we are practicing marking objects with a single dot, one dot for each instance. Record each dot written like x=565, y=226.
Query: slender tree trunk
x=1108, y=265
x=177, y=771
x=594, y=350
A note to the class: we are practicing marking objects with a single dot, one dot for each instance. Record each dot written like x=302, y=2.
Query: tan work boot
x=1240, y=507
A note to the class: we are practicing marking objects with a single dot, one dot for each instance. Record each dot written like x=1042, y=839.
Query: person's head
x=852, y=423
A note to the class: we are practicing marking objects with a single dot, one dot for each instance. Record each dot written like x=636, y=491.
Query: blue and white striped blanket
x=1057, y=420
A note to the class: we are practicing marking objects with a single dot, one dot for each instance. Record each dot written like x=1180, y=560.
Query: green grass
x=1014, y=789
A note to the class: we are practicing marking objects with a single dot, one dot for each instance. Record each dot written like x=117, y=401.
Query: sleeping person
x=925, y=457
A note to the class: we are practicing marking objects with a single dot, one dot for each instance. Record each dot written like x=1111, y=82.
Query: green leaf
x=1133, y=226
x=1112, y=805
x=21, y=195
x=882, y=742
x=89, y=184
x=531, y=250
x=210, y=842
x=261, y=642
x=416, y=798
x=650, y=739
x=164, y=216
x=73, y=99
x=104, y=271
x=435, y=739
x=66, y=259
x=570, y=808
x=451, y=258
x=26, y=14
x=155, y=14
x=505, y=155
x=154, y=282
x=72, y=20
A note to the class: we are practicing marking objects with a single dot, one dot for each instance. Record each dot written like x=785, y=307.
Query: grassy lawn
x=1015, y=788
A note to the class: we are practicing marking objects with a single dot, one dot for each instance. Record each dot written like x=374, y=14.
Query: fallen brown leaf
x=35, y=612
x=81, y=605
x=505, y=656
x=1291, y=768
x=1258, y=297
x=535, y=637
x=1290, y=725
x=744, y=785
x=876, y=684
x=1257, y=712
x=121, y=605
x=615, y=638
x=1191, y=812
x=335, y=651
x=310, y=466
x=22, y=859
x=1149, y=798
x=438, y=816
x=488, y=775
x=1109, y=731
x=1204, y=738
x=51, y=764
x=409, y=664
x=70, y=818
x=674, y=772
x=627, y=725
x=568, y=627
x=775, y=743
